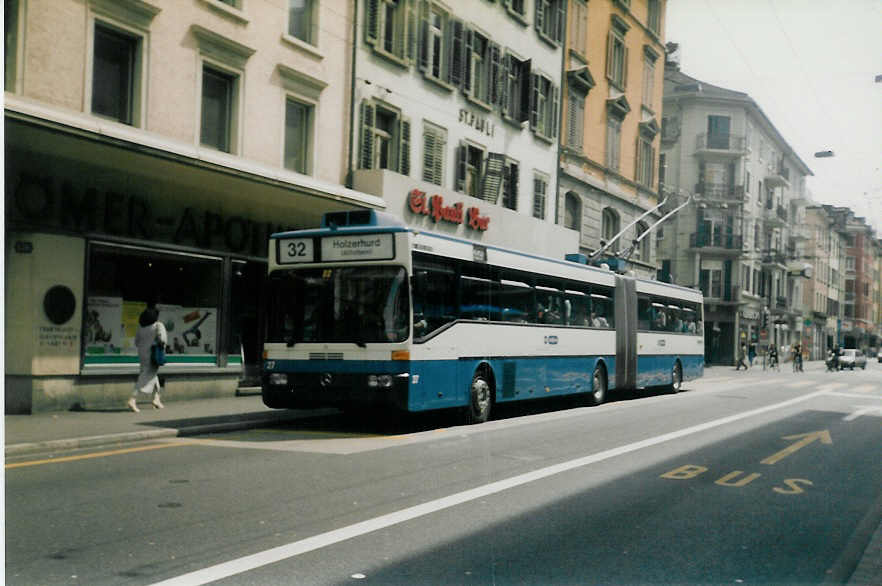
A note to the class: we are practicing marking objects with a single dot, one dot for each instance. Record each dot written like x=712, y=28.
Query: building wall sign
x=750, y=314
x=433, y=206
x=479, y=123
x=38, y=201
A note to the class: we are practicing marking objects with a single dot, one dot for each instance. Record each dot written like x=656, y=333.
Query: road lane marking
x=804, y=440
x=863, y=411
x=95, y=455
x=296, y=548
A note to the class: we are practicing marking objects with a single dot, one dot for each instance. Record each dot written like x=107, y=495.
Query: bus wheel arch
x=482, y=390
x=599, y=384
x=677, y=377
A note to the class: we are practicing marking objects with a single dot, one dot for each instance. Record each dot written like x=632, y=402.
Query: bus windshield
x=345, y=304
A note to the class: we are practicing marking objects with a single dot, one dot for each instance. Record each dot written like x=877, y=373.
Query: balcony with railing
x=774, y=259
x=775, y=217
x=778, y=175
x=729, y=244
x=720, y=192
x=727, y=145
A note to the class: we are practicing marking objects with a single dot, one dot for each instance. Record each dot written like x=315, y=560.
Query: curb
x=153, y=434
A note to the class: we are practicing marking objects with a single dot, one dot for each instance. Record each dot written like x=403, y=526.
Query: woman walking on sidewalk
x=152, y=331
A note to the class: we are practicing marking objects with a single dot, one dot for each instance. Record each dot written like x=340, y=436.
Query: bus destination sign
x=358, y=247
x=296, y=250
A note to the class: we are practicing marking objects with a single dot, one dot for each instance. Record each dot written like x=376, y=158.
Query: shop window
x=123, y=280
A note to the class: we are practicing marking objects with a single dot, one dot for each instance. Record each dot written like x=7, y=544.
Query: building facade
x=737, y=241
x=612, y=90
x=151, y=148
x=823, y=293
x=455, y=110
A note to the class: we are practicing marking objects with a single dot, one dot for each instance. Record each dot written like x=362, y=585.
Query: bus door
x=626, y=332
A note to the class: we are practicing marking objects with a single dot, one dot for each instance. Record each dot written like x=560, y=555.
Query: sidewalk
x=60, y=430
x=64, y=430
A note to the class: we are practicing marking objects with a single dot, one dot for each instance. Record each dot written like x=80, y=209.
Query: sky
x=811, y=66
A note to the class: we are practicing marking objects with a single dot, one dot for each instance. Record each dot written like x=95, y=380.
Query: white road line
x=283, y=552
x=863, y=411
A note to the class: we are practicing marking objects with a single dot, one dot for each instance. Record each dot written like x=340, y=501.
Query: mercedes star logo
x=326, y=379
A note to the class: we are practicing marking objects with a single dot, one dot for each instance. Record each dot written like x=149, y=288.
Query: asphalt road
x=743, y=478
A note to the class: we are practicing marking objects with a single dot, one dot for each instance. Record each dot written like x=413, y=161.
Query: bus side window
x=645, y=314
x=434, y=297
x=602, y=313
x=549, y=305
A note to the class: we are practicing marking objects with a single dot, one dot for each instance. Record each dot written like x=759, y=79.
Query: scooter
x=832, y=362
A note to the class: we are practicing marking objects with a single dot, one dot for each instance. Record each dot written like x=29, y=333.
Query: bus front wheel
x=480, y=392
x=598, y=387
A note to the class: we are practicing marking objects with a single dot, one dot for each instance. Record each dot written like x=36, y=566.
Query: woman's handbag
x=157, y=354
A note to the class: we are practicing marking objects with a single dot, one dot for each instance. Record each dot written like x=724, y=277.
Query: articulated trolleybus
x=366, y=311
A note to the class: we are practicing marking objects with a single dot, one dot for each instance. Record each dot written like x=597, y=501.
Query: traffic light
x=765, y=318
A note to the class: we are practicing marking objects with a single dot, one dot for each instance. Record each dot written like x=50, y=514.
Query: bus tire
x=676, y=378
x=480, y=398
x=598, y=387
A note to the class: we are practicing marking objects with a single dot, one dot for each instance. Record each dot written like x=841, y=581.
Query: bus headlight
x=380, y=381
x=278, y=378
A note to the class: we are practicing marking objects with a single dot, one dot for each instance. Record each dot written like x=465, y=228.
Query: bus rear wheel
x=480, y=399
x=598, y=387
x=676, y=378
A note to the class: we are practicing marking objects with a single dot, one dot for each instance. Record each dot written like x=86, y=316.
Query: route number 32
x=294, y=250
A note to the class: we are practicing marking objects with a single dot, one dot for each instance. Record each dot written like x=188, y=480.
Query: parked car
x=850, y=358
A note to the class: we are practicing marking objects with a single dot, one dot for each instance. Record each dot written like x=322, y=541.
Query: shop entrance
x=248, y=280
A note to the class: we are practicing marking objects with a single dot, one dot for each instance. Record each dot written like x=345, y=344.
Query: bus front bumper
x=332, y=389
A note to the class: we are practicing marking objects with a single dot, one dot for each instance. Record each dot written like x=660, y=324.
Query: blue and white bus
x=367, y=311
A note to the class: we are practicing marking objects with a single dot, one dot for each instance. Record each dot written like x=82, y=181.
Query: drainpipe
x=349, y=164
x=559, y=121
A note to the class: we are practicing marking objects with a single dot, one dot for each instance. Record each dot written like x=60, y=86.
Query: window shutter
x=561, y=21
x=540, y=14
x=366, y=154
x=513, y=181
x=429, y=141
x=534, y=100
x=457, y=51
x=411, y=27
x=572, y=122
x=610, y=45
x=524, y=81
x=467, y=62
x=495, y=56
x=404, y=146
x=424, y=40
x=555, y=109
x=462, y=153
x=492, y=177
x=372, y=21
x=624, y=67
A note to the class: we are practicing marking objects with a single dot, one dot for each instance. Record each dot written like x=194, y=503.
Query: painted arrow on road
x=804, y=440
x=863, y=411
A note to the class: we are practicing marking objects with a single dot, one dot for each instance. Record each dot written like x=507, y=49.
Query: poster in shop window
x=191, y=330
x=104, y=330
x=131, y=312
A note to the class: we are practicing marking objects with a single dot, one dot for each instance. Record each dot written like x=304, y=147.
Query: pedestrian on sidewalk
x=742, y=358
x=751, y=354
x=152, y=331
